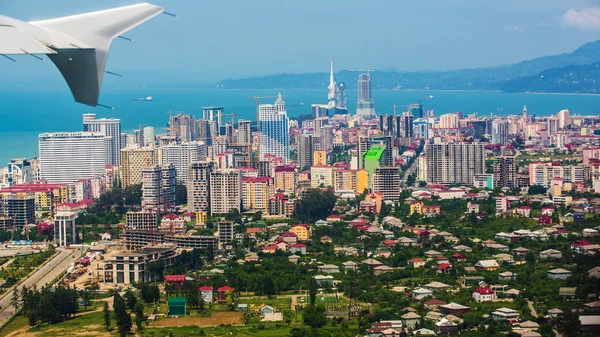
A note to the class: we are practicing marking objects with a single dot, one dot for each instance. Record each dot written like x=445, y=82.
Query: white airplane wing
x=78, y=45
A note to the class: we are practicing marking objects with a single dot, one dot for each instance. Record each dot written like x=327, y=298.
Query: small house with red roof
x=207, y=293
x=176, y=280
x=484, y=294
x=45, y=228
x=579, y=244
x=432, y=210
x=222, y=293
x=289, y=237
x=444, y=268
x=326, y=239
x=545, y=219
x=417, y=262
x=298, y=248
x=357, y=223
x=522, y=211
x=333, y=218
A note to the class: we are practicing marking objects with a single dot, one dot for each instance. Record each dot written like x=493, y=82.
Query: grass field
x=278, y=303
x=216, y=319
x=218, y=331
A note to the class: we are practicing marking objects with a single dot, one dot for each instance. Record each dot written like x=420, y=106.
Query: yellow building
x=256, y=193
x=285, y=178
x=132, y=163
x=416, y=207
x=320, y=158
x=201, y=218
x=362, y=181
x=303, y=231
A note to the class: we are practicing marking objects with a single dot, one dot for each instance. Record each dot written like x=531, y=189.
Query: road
x=409, y=171
x=40, y=278
x=533, y=311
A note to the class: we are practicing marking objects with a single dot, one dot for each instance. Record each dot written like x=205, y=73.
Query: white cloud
x=515, y=29
x=586, y=19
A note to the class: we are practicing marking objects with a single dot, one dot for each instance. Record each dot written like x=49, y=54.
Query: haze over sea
x=26, y=113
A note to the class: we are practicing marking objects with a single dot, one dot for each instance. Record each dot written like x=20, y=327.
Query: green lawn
x=278, y=303
x=14, y=324
x=280, y=331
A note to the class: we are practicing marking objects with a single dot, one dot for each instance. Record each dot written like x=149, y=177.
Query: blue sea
x=26, y=113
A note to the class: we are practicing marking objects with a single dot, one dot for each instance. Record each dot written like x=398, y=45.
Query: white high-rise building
x=365, y=107
x=149, y=136
x=274, y=130
x=564, y=119
x=158, y=188
x=111, y=128
x=67, y=157
x=198, y=186
x=225, y=191
x=182, y=155
x=244, y=131
x=499, y=131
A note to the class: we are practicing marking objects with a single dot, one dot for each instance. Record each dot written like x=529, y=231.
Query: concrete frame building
x=65, y=221
x=198, y=186
x=225, y=191
x=182, y=155
x=386, y=180
x=133, y=161
x=454, y=163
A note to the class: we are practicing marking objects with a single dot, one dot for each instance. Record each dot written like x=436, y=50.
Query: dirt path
x=217, y=318
x=533, y=311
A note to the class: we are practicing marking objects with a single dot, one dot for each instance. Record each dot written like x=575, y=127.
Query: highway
x=40, y=278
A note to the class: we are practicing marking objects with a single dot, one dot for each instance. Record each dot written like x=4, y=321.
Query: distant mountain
x=492, y=78
x=579, y=79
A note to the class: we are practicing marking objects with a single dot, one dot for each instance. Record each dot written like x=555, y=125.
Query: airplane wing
x=82, y=43
x=15, y=42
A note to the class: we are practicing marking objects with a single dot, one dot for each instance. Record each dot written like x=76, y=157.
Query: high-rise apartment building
x=244, y=131
x=182, y=155
x=421, y=128
x=505, y=172
x=198, y=186
x=500, y=131
x=416, y=110
x=320, y=158
x=306, y=150
x=66, y=157
x=149, y=136
x=225, y=191
x=454, y=163
x=225, y=229
x=18, y=171
x=183, y=127
x=449, y=121
x=404, y=127
x=111, y=128
x=158, y=188
x=18, y=209
x=365, y=106
x=132, y=163
x=285, y=178
x=256, y=193
x=386, y=180
x=274, y=130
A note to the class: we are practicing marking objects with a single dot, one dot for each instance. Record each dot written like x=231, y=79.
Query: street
x=40, y=278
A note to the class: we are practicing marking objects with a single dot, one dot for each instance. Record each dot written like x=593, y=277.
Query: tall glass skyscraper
x=365, y=107
x=274, y=130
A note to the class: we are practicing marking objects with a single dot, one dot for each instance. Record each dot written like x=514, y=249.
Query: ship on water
x=144, y=99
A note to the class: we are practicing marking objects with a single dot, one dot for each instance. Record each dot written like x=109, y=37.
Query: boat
x=144, y=99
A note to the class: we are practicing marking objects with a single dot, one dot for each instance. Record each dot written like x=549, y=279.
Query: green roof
x=375, y=152
x=177, y=301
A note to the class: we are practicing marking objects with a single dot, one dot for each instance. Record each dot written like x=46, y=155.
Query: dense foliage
x=316, y=205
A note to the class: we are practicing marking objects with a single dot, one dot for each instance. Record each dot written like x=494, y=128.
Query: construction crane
x=257, y=98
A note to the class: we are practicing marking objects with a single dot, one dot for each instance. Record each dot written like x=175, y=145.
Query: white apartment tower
x=274, y=129
x=111, y=128
x=454, y=163
x=198, y=186
x=67, y=157
x=158, y=188
x=225, y=190
x=182, y=155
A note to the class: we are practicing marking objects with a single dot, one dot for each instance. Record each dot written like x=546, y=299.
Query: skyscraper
x=109, y=127
x=225, y=191
x=198, y=186
x=332, y=95
x=386, y=180
x=66, y=157
x=132, y=163
x=416, y=110
x=149, y=137
x=505, y=172
x=158, y=188
x=365, y=106
x=305, y=150
x=274, y=130
x=183, y=127
x=404, y=126
x=499, y=131
x=454, y=163
x=525, y=112
x=244, y=131
x=182, y=155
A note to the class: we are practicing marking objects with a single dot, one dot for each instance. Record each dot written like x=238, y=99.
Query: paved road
x=40, y=278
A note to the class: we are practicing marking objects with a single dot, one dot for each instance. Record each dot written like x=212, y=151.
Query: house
x=432, y=210
x=421, y=293
x=444, y=267
x=207, y=294
x=303, y=231
x=326, y=239
x=176, y=280
x=328, y=269
x=435, y=286
x=243, y=307
x=522, y=211
x=433, y=304
x=324, y=280
x=521, y=251
x=503, y=257
x=177, y=306
x=592, y=306
x=350, y=266
x=507, y=276
x=551, y=254
x=442, y=260
x=423, y=332
x=555, y=312
x=472, y=208
x=266, y=309
x=417, y=262
x=432, y=254
x=289, y=237
x=410, y=320
x=454, y=309
x=529, y=326
x=106, y=236
x=590, y=323
x=222, y=293
x=298, y=248
x=382, y=269
x=483, y=295
x=559, y=274
x=567, y=291
x=458, y=257
x=487, y=265
x=446, y=326
x=293, y=258
x=416, y=207
x=579, y=244
x=463, y=248
x=372, y=263
x=506, y=314
x=333, y=218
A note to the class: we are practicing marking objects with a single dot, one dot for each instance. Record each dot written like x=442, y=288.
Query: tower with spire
x=332, y=89
x=525, y=112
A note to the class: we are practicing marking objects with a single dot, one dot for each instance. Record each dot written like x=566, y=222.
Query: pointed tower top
x=331, y=71
x=279, y=96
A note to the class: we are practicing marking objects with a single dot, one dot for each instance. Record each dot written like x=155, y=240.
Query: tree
x=536, y=189
x=14, y=301
x=180, y=194
x=122, y=317
x=149, y=293
x=139, y=315
x=314, y=316
x=312, y=286
x=106, y=314
x=130, y=299
x=268, y=287
x=569, y=324
x=316, y=205
x=85, y=298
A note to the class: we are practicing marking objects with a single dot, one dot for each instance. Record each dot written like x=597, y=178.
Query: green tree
x=569, y=324
x=314, y=316
x=139, y=315
x=85, y=298
x=122, y=317
x=312, y=286
x=14, y=301
x=316, y=205
x=536, y=189
x=106, y=314
x=268, y=287
x=130, y=299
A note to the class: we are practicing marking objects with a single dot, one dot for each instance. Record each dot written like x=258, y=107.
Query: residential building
x=66, y=157
x=158, y=188
x=225, y=190
x=182, y=156
x=256, y=193
x=133, y=160
x=505, y=172
x=484, y=180
x=17, y=209
x=365, y=107
x=500, y=131
x=319, y=158
x=18, y=171
x=303, y=231
x=285, y=178
x=306, y=150
x=198, y=186
x=322, y=176
x=274, y=130
x=225, y=229
x=386, y=180
x=450, y=163
x=484, y=294
x=65, y=221
x=109, y=127
x=182, y=127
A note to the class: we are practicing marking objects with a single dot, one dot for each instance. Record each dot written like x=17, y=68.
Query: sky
x=218, y=39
